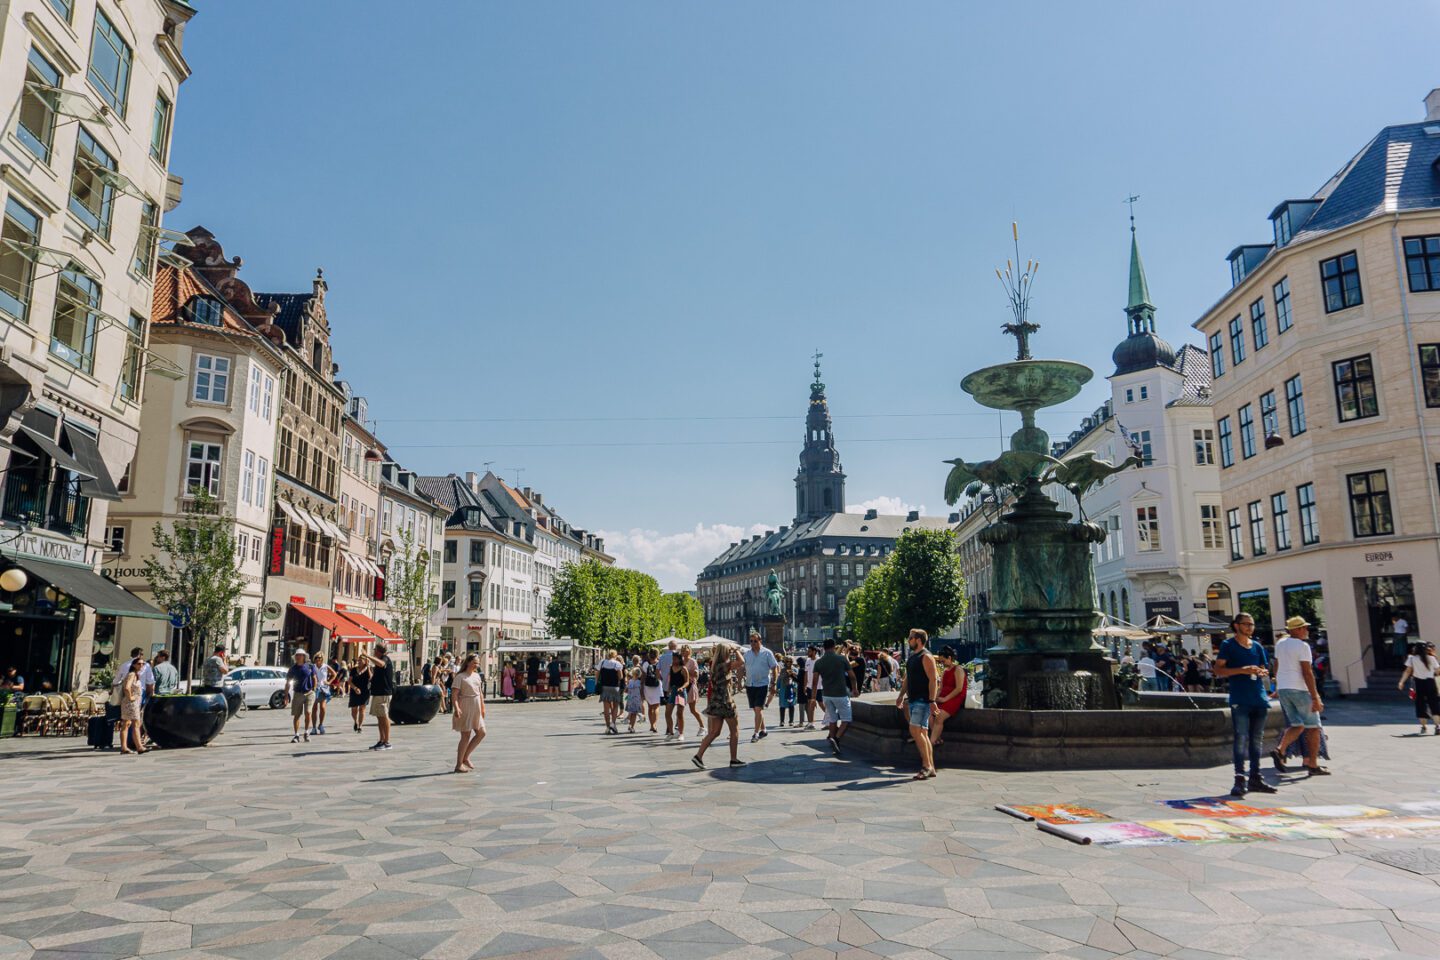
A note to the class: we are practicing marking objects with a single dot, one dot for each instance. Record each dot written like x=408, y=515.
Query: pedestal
x=774, y=634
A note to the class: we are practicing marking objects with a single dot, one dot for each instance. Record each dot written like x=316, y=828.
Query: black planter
x=234, y=699
x=415, y=703
x=191, y=720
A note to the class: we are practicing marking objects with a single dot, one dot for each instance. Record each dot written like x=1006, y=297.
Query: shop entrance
x=42, y=647
x=1383, y=599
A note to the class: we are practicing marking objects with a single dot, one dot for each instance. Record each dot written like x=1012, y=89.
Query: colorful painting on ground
x=1216, y=807
x=1288, y=828
x=1391, y=828
x=1054, y=813
x=1109, y=833
x=1204, y=830
x=1343, y=812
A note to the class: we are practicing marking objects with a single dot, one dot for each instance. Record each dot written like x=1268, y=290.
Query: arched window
x=1125, y=604
x=206, y=310
x=1114, y=607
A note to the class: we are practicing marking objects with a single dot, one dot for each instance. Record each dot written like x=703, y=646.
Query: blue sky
x=599, y=241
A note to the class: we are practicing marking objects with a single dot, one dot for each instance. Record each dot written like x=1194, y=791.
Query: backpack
x=652, y=679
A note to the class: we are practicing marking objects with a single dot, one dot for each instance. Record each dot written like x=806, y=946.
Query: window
x=267, y=402
x=1247, y=432
x=206, y=310
x=1355, y=388
x=1204, y=446
x=447, y=593
x=1340, y=278
x=255, y=549
x=1430, y=372
x=64, y=7
x=17, y=271
x=829, y=569
x=202, y=469
x=1147, y=527
x=1370, y=504
x=1280, y=514
x=1259, y=331
x=477, y=594
x=451, y=551
x=1129, y=395
x=1282, y=304
x=385, y=516
x=1141, y=440
x=1144, y=393
x=36, y=124
x=77, y=304
x=160, y=129
x=1295, y=405
x=92, y=199
x=286, y=441
x=109, y=71
x=212, y=378
x=477, y=552
x=1269, y=419
x=247, y=477
x=1232, y=522
x=1257, y=529
x=262, y=481
x=1237, y=342
x=1210, y=535
x=1422, y=263
x=147, y=242
x=130, y=367
x=253, y=394
x=1217, y=356
x=115, y=536
x=1309, y=516
x=1227, y=448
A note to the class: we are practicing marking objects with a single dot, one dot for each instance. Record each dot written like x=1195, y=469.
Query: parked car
x=260, y=685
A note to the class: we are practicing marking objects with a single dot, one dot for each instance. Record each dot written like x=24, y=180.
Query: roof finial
x=817, y=386
x=1139, y=308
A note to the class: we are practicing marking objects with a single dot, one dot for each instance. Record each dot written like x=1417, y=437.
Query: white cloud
x=885, y=506
x=674, y=558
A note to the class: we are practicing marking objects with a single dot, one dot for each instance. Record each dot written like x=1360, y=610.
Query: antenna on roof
x=518, y=471
x=488, y=464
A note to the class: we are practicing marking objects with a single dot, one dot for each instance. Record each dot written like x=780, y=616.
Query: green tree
x=193, y=571
x=918, y=585
x=407, y=591
x=614, y=607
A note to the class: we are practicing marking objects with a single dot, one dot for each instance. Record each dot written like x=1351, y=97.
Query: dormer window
x=1289, y=217
x=206, y=310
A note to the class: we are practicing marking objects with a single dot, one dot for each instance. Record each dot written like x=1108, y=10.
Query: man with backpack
x=300, y=684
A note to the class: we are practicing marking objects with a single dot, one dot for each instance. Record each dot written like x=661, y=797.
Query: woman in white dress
x=469, y=716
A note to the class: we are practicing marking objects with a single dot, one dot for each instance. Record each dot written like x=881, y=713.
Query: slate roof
x=452, y=493
x=1194, y=365
x=1395, y=171
x=292, y=306
x=853, y=527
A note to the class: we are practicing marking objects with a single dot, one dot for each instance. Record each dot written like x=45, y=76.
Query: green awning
x=91, y=589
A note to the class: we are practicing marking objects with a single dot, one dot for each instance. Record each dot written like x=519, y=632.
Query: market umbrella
x=664, y=641
x=1120, y=629
x=1195, y=628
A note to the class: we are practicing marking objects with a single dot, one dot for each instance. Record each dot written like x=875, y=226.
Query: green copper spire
x=1140, y=310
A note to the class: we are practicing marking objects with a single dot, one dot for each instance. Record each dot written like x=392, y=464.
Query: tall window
x=1227, y=443
x=64, y=7
x=1232, y=523
x=147, y=243
x=77, y=304
x=1280, y=514
x=247, y=477
x=1430, y=372
x=110, y=56
x=130, y=367
x=160, y=129
x=1210, y=535
x=477, y=552
x=1269, y=419
x=1141, y=439
x=262, y=481
x=17, y=271
x=1355, y=388
x=267, y=399
x=1259, y=331
x=35, y=126
x=1237, y=341
x=92, y=198
x=1282, y=304
x=202, y=468
x=1257, y=529
x=1295, y=405
x=1147, y=529
x=477, y=594
x=1370, y=504
x=1422, y=263
x=1340, y=279
x=212, y=378
x=1309, y=515
x=1217, y=356
x=1204, y=447
x=452, y=551
x=1247, y=432
x=286, y=442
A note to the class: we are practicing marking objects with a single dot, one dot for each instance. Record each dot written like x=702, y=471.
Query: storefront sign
x=379, y=588
x=1380, y=556
x=1167, y=608
x=48, y=548
x=277, y=550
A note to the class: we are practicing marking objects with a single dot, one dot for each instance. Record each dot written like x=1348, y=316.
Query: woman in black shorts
x=359, y=692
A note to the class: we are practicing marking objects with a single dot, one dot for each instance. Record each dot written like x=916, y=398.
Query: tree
x=624, y=609
x=408, y=593
x=193, y=572
x=918, y=585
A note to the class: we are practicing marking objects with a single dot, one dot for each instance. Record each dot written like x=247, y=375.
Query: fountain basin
x=1026, y=384
x=1135, y=738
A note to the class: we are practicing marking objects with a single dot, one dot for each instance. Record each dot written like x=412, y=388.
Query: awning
x=289, y=511
x=330, y=528
x=40, y=427
x=87, y=451
x=379, y=630
x=339, y=627
x=91, y=589
x=350, y=562
x=308, y=519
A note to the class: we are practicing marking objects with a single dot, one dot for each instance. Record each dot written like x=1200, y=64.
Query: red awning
x=339, y=627
x=378, y=630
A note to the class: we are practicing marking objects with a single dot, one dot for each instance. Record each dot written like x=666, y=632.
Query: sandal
x=458, y=770
x=920, y=776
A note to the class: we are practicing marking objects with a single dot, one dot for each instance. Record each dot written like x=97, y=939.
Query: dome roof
x=1142, y=351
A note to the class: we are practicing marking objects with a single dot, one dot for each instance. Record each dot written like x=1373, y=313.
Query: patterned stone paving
x=568, y=844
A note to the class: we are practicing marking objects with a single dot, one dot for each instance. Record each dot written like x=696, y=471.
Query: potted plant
x=185, y=719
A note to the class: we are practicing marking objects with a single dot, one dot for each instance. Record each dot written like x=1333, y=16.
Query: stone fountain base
x=1058, y=739
x=1070, y=680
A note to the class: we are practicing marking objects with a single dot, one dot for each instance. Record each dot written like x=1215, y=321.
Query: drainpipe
x=1415, y=381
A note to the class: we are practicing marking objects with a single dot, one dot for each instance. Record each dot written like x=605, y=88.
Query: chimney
x=912, y=516
x=1432, y=104
x=526, y=491
x=472, y=480
x=871, y=514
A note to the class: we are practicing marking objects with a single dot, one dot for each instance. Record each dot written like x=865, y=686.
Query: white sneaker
x=670, y=736
x=755, y=737
x=809, y=726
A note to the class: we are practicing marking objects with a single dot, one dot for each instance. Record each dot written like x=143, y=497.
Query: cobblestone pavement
x=569, y=844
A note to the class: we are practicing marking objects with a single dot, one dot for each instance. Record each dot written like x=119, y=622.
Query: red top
x=951, y=699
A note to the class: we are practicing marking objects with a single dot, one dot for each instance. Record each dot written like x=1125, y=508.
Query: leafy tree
x=918, y=585
x=193, y=570
x=408, y=594
x=614, y=607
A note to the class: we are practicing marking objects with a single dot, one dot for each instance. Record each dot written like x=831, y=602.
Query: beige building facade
x=1325, y=356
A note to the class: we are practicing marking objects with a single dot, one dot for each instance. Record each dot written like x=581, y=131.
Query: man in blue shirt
x=300, y=684
x=1244, y=664
x=761, y=668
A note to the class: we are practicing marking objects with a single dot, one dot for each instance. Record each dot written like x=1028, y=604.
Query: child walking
x=787, y=692
x=633, y=698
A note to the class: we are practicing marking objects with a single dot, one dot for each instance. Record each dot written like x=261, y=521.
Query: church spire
x=820, y=481
x=1139, y=309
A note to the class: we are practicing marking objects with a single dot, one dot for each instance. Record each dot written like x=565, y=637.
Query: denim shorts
x=920, y=713
x=837, y=710
x=1296, y=704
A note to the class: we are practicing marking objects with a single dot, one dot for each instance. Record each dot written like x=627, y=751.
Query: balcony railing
x=54, y=506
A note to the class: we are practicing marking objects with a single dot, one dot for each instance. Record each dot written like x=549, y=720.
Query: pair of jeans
x=1249, y=726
